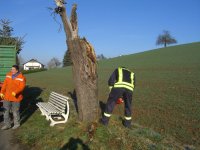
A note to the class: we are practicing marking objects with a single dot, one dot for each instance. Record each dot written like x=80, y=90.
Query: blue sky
x=114, y=27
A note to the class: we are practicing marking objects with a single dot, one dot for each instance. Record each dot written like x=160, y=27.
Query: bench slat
x=60, y=96
x=48, y=107
x=57, y=100
x=58, y=106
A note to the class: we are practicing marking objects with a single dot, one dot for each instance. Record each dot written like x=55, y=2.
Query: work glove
x=110, y=88
x=13, y=94
x=2, y=96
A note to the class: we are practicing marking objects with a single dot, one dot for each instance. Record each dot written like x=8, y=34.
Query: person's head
x=15, y=69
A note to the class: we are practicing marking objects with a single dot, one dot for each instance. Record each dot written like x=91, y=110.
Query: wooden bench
x=56, y=109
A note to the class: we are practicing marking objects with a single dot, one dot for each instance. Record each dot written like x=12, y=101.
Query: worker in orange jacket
x=11, y=93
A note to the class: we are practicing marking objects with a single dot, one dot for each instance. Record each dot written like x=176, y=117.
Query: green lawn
x=166, y=104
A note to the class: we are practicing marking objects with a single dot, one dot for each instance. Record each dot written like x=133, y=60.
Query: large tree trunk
x=84, y=65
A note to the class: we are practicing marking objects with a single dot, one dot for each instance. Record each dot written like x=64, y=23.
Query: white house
x=33, y=64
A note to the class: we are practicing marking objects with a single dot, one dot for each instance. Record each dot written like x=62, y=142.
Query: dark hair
x=16, y=67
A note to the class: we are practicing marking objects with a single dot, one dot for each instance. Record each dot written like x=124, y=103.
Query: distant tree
x=101, y=57
x=6, y=35
x=53, y=63
x=6, y=30
x=20, y=62
x=67, y=60
x=165, y=39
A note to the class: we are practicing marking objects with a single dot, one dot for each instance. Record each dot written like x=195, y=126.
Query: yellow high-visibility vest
x=121, y=84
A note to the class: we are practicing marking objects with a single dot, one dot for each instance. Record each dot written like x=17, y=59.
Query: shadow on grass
x=74, y=144
x=28, y=104
x=74, y=98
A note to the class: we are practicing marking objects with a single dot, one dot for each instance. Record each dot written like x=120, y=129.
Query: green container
x=7, y=59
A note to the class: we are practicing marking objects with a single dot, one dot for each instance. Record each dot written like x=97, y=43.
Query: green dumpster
x=7, y=59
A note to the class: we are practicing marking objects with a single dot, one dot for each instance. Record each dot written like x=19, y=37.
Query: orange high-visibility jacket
x=15, y=85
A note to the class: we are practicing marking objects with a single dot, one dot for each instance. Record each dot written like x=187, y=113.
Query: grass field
x=166, y=104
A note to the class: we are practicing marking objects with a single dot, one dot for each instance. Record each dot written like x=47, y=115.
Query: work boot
x=126, y=124
x=15, y=126
x=5, y=127
x=103, y=122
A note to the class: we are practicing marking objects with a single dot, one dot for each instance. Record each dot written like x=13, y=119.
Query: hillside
x=166, y=103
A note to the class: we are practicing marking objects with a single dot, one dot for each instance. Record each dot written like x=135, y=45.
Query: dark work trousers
x=113, y=96
x=14, y=107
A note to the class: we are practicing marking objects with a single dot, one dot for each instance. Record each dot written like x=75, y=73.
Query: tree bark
x=84, y=65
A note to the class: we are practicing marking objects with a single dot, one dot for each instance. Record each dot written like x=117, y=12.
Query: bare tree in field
x=165, y=39
x=53, y=63
x=84, y=65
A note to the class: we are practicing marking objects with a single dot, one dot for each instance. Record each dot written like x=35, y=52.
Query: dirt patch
x=7, y=139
